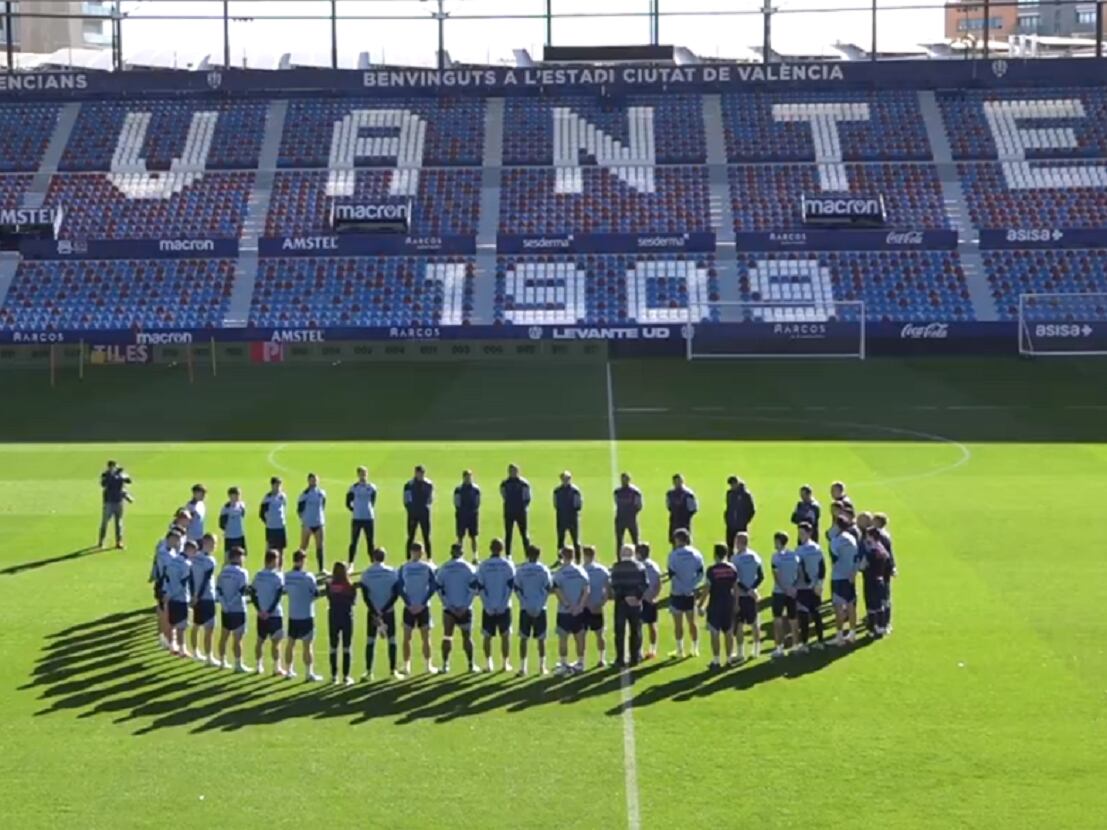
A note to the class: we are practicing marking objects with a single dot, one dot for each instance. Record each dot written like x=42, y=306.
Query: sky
x=407, y=34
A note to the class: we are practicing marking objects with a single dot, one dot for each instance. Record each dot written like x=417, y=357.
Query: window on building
x=1085, y=17
x=976, y=24
x=1029, y=23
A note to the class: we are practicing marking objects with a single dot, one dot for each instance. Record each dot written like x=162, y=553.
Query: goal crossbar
x=777, y=330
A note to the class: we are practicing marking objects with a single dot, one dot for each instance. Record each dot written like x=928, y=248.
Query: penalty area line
x=630, y=752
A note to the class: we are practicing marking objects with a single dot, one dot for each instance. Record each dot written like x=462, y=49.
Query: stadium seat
x=893, y=285
x=673, y=200
x=213, y=206
x=605, y=288
x=118, y=294
x=767, y=197
x=870, y=126
x=309, y=292
x=236, y=131
x=26, y=129
x=1058, y=272
x=447, y=201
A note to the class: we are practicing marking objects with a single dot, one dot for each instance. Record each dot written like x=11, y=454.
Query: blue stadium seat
x=894, y=285
x=594, y=288
x=890, y=126
x=1074, y=272
x=309, y=292
x=118, y=294
x=26, y=130
x=767, y=197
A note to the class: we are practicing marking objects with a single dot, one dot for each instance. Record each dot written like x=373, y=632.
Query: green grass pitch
x=985, y=709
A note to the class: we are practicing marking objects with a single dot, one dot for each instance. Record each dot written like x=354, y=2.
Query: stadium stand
x=307, y=292
x=767, y=197
x=869, y=126
x=624, y=200
x=26, y=129
x=573, y=164
x=12, y=188
x=551, y=131
x=212, y=206
x=446, y=201
x=166, y=135
x=894, y=285
x=1011, y=273
x=1069, y=123
x=1078, y=201
x=106, y=294
x=605, y=288
x=374, y=132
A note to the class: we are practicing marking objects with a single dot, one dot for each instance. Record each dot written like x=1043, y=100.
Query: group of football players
x=190, y=585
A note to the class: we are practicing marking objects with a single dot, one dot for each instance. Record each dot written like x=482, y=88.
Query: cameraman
x=113, y=481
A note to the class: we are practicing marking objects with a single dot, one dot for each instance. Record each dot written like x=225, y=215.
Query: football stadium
x=552, y=414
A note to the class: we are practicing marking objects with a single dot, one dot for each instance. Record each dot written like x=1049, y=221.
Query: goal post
x=1062, y=325
x=736, y=330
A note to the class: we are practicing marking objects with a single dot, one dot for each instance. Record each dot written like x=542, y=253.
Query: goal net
x=1063, y=325
x=786, y=329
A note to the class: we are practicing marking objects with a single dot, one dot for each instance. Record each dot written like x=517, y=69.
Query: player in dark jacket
x=740, y=509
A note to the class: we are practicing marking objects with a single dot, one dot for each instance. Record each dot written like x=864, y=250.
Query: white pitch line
x=272, y=459
x=630, y=754
x=642, y=410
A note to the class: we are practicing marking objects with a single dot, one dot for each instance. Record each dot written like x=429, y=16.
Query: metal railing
x=358, y=33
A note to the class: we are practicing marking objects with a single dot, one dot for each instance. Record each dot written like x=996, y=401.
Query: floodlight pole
x=767, y=34
x=8, y=37
x=1099, y=31
x=334, y=34
x=226, y=34
x=441, y=16
x=549, y=22
x=987, y=28
x=872, y=47
x=655, y=22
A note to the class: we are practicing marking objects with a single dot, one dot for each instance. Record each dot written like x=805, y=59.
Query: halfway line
x=630, y=755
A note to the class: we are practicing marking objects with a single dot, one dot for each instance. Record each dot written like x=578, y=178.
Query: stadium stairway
x=720, y=206
x=257, y=210
x=953, y=195
x=35, y=197
x=484, y=289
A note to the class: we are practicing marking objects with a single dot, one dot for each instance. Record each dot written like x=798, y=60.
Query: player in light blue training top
x=274, y=507
x=457, y=585
x=267, y=590
x=380, y=588
x=203, y=598
x=178, y=595
x=165, y=550
x=302, y=591
x=231, y=589
x=599, y=592
x=496, y=582
x=786, y=581
x=750, y=576
x=417, y=587
x=649, y=601
x=533, y=584
x=197, y=511
x=571, y=586
x=311, y=507
x=844, y=563
x=361, y=501
x=686, y=572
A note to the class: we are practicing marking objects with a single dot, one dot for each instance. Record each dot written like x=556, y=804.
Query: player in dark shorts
x=721, y=599
x=341, y=596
